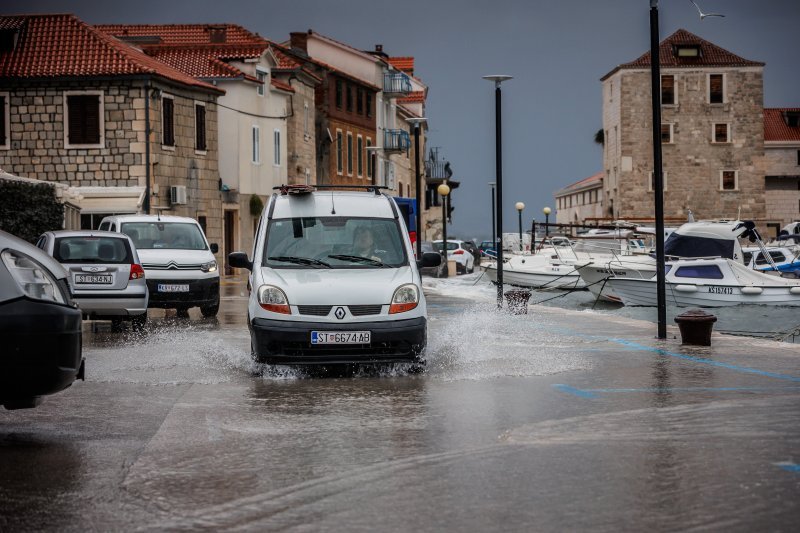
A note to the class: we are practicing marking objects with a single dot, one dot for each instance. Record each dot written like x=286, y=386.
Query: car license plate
x=341, y=337
x=163, y=287
x=94, y=278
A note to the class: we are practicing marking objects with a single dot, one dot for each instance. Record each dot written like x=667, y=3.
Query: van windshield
x=165, y=235
x=334, y=242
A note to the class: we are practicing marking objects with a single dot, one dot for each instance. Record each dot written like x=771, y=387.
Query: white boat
x=548, y=268
x=717, y=282
x=784, y=258
x=596, y=274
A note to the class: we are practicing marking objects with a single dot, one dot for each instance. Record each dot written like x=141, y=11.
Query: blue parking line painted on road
x=697, y=389
x=789, y=467
x=577, y=392
x=711, y=362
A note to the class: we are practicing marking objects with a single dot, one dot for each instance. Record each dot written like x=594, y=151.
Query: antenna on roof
x=333, y=206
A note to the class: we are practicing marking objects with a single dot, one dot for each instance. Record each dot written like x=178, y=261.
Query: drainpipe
x=146, y=203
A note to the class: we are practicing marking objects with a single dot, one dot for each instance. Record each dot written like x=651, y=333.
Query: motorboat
x=784, y=258
x=552, y=267
x=715, y=282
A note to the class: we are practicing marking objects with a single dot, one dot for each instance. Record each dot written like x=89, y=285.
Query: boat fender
x=686, y=288
x=752, y=290
x=795, y=290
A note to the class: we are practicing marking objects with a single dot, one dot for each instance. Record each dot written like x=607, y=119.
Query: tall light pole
x=416, y=121
x=494, y=235
x=498, y=154
x=658, y=177
x=520, y=206
x=546, y=210
x=444, y=190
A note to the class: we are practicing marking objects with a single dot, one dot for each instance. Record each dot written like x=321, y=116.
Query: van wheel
x=138, y=322
x=209, y=311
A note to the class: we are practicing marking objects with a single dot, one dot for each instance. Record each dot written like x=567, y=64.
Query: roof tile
x=775, y=127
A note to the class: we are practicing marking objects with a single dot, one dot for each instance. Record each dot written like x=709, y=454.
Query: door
x=229, y=222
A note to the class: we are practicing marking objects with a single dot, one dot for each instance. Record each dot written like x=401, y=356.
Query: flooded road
x=554, y=420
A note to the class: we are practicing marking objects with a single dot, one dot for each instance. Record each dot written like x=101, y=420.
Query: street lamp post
x=444, y=190
x=520, y=206
x=546, y=212
x=658, y=177
x=494, y=235
x=498, y=154
x=416, y=123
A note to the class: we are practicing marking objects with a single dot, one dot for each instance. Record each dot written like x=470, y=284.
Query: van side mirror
x=429, y=259
x=214, y=247
x=239, y=260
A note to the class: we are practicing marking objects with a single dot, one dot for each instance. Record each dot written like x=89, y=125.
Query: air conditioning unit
x=177, y=195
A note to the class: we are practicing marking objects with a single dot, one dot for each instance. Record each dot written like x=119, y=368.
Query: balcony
x=396, y=141
x=438, y=170
x=396, y=83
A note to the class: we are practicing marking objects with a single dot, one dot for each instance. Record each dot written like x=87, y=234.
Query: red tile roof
x=711, y=55
x=183, y=34
x=594, y=179
x=282, y=85
x=775, y=128
x=62, y=45
x=415, y=97
x=406, y=64
x=206, y=61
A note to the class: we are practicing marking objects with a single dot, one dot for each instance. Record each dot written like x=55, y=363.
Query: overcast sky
x=556, y=50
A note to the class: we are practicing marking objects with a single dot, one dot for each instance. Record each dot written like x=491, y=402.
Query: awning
x=117, y=200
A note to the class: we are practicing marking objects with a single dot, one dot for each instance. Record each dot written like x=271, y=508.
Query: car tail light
x=137, y=272
x=459, y=252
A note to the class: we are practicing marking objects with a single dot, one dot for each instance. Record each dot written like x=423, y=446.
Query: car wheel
x=139, y=322
x=471, y=269
x=209, y=311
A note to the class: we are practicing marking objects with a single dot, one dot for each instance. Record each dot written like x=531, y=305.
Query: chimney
x=299, y=41
x=379, y=48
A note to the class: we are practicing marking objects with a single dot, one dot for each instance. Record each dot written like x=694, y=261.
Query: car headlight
x=405, y=298
x=211, y=266
x=33, y=278
x=271, y=298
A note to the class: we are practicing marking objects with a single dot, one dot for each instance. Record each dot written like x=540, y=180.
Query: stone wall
x=301, y=135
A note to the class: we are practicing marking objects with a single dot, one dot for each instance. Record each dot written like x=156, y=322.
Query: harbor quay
x=556, y=419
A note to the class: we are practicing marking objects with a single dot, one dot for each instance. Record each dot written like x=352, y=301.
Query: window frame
x=651, y=180
x=164, y=144
x=360, y=156
x=197, y=148
x=255, y=144
x=674, y=90
x=359, y=101
x=101, y=119
x=724, y=88
x=370, y=166
x=349, y=98
x=339, y=93
x=276, y=145
x=671, y=133
x=306, y=115
x=368, y=104
x=339, y=151
x=5, y=144
x=728, y=131
x=349, y=153
x=722, y=180
x=261, y=88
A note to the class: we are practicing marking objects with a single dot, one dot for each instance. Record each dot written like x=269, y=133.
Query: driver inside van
x=364, y=243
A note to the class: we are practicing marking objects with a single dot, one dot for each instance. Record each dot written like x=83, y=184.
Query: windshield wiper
x=360, y=259
x=299, y=260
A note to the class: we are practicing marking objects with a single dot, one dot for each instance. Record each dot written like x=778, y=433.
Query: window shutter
x=84, y=119
x=168, y=118
x=92, y=114
x=200, y=126
x=2, y=120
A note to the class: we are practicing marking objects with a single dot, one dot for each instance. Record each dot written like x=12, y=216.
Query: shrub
x=29, y=209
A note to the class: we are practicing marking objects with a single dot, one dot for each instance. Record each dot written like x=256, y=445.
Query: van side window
x=41, y=241
x=113, y=227
x=103, y=226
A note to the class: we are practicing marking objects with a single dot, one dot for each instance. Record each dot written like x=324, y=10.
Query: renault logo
x=339, y=313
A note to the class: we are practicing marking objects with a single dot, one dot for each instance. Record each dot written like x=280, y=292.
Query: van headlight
x=271, y=298
x=211, y=266
x=405, y=298
x=33, y=278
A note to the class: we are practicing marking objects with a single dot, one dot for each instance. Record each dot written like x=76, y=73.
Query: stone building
x=712, y=132
x=782, y=167
x=580, y=202
x=129, y=133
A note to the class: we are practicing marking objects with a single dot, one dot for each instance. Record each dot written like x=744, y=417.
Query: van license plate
x=94, y=278
x=341, y=337
x=172, y=288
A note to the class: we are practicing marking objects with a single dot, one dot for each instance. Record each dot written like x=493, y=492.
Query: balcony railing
x=438, y=170
x=396, y=83
x=396, y=141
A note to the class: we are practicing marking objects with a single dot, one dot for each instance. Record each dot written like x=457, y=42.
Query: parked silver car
x=105, y=276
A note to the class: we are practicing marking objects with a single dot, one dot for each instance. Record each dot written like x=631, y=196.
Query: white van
x=178, y=262
x=333, y=280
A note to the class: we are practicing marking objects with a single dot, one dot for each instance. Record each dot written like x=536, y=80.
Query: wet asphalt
x=551, y=421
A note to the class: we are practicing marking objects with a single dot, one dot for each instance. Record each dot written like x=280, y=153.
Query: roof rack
x=305, y=189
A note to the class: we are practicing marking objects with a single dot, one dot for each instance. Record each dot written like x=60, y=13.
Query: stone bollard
x=518, y=301
x=696, y=326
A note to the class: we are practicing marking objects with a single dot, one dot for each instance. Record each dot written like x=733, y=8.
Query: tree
x=600, y=137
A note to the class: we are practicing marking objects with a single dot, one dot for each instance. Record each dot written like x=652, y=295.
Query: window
x=339, y=94
x=339, y=159
x=305, y=119
x=729, y=180
x=699, y=271
x=776, y=256
x=687, y=50
x=668, y=90
x=651, y=184
x=4, y=121
x=721, y=133
x=666, y=133
x=256, y=145
x=401, y=189
x=349, y=153
x=359, y=101
x=261, y=76
x=716, y=88
x=200, y=127
x=798, y=156
x=792, y=118
x=370, y=155
x=83, y=119
x=368, y=104
x=360, y=156
x=349, y=98
x=276, y=139
x=168, y=120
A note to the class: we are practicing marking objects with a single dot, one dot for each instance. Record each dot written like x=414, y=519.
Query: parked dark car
x=436, y=271
x=472, y=248
x=39, y=323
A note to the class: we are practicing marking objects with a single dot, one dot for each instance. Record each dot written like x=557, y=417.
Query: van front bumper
x=289, y=342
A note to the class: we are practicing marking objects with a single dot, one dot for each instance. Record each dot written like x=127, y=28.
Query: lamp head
x=443, y=189
x=547, y=210
x=498, y=78
x=520, y=206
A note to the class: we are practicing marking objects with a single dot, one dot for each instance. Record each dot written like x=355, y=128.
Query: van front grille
x=315, y=310
x=364, y=310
